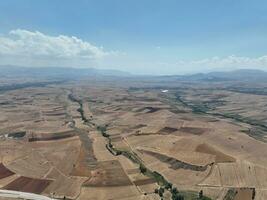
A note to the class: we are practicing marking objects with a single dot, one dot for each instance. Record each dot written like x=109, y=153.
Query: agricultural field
x=134, y=139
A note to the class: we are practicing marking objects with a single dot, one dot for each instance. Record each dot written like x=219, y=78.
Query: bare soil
x=25, y=184
x=220, y=157
x=4, y=172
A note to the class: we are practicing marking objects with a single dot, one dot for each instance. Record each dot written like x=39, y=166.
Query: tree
x=168, y=186
x=160, y=194
x=118, y=152
x=200, y=194
x=179, y=197
x=174, y=192
x=161, y=191
x=142, y=169
x=253, y=193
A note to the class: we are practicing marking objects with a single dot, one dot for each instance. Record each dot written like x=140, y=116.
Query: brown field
x=108, y=174
x=220, y=157
x=51, y=136
x=195, y=136
x=193, y=130
x=25, y=184
x=174, y=163
x=168, y=130
x=81, y=168
x=243, y=194
x=4, y=172
x=144, y=182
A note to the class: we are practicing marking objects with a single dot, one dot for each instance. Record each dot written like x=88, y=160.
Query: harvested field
x=193, y=130
x=82, y=167
x=244, y=194
x=261, y=195
x=116, y=139
x=167, y=130
x=133, y=171
x=139, y=126
x=52, y=136
x=87, y=145
x=174, y=163
x=67, y=186
x=110, y=193
x=219, y=156
x=144, y=181
x=86, y=160
x=109, y=173
x=238, y=174
x=25, y=184
x=191, y=149
x=4, y=172
x=239, y=194
x=33, y=165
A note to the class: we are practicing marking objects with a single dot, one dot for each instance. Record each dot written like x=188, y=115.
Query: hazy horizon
x=133, y=74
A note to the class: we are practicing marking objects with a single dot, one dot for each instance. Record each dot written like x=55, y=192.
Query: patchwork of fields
x=95, y=140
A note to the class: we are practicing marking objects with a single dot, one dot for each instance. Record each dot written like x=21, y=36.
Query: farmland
x=118, y=139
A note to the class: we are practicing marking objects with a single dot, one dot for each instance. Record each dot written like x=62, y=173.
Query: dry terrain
x=129, y=139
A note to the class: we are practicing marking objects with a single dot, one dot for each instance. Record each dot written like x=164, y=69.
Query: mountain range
x=70, y=73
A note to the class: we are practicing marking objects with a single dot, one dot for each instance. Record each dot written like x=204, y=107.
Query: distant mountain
x=236, y=75
x=76, y=73
x=54, y=72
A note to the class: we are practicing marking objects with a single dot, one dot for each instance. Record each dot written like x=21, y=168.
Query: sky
x=158, y=37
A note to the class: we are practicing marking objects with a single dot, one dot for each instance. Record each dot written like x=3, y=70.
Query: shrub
x=142, y=169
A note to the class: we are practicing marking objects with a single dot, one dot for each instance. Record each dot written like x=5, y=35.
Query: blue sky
x=140, y=36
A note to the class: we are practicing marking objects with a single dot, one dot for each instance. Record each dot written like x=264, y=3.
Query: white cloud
x=33, y=48
x=23, y=47
x=227, y=63
x=165, y=67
